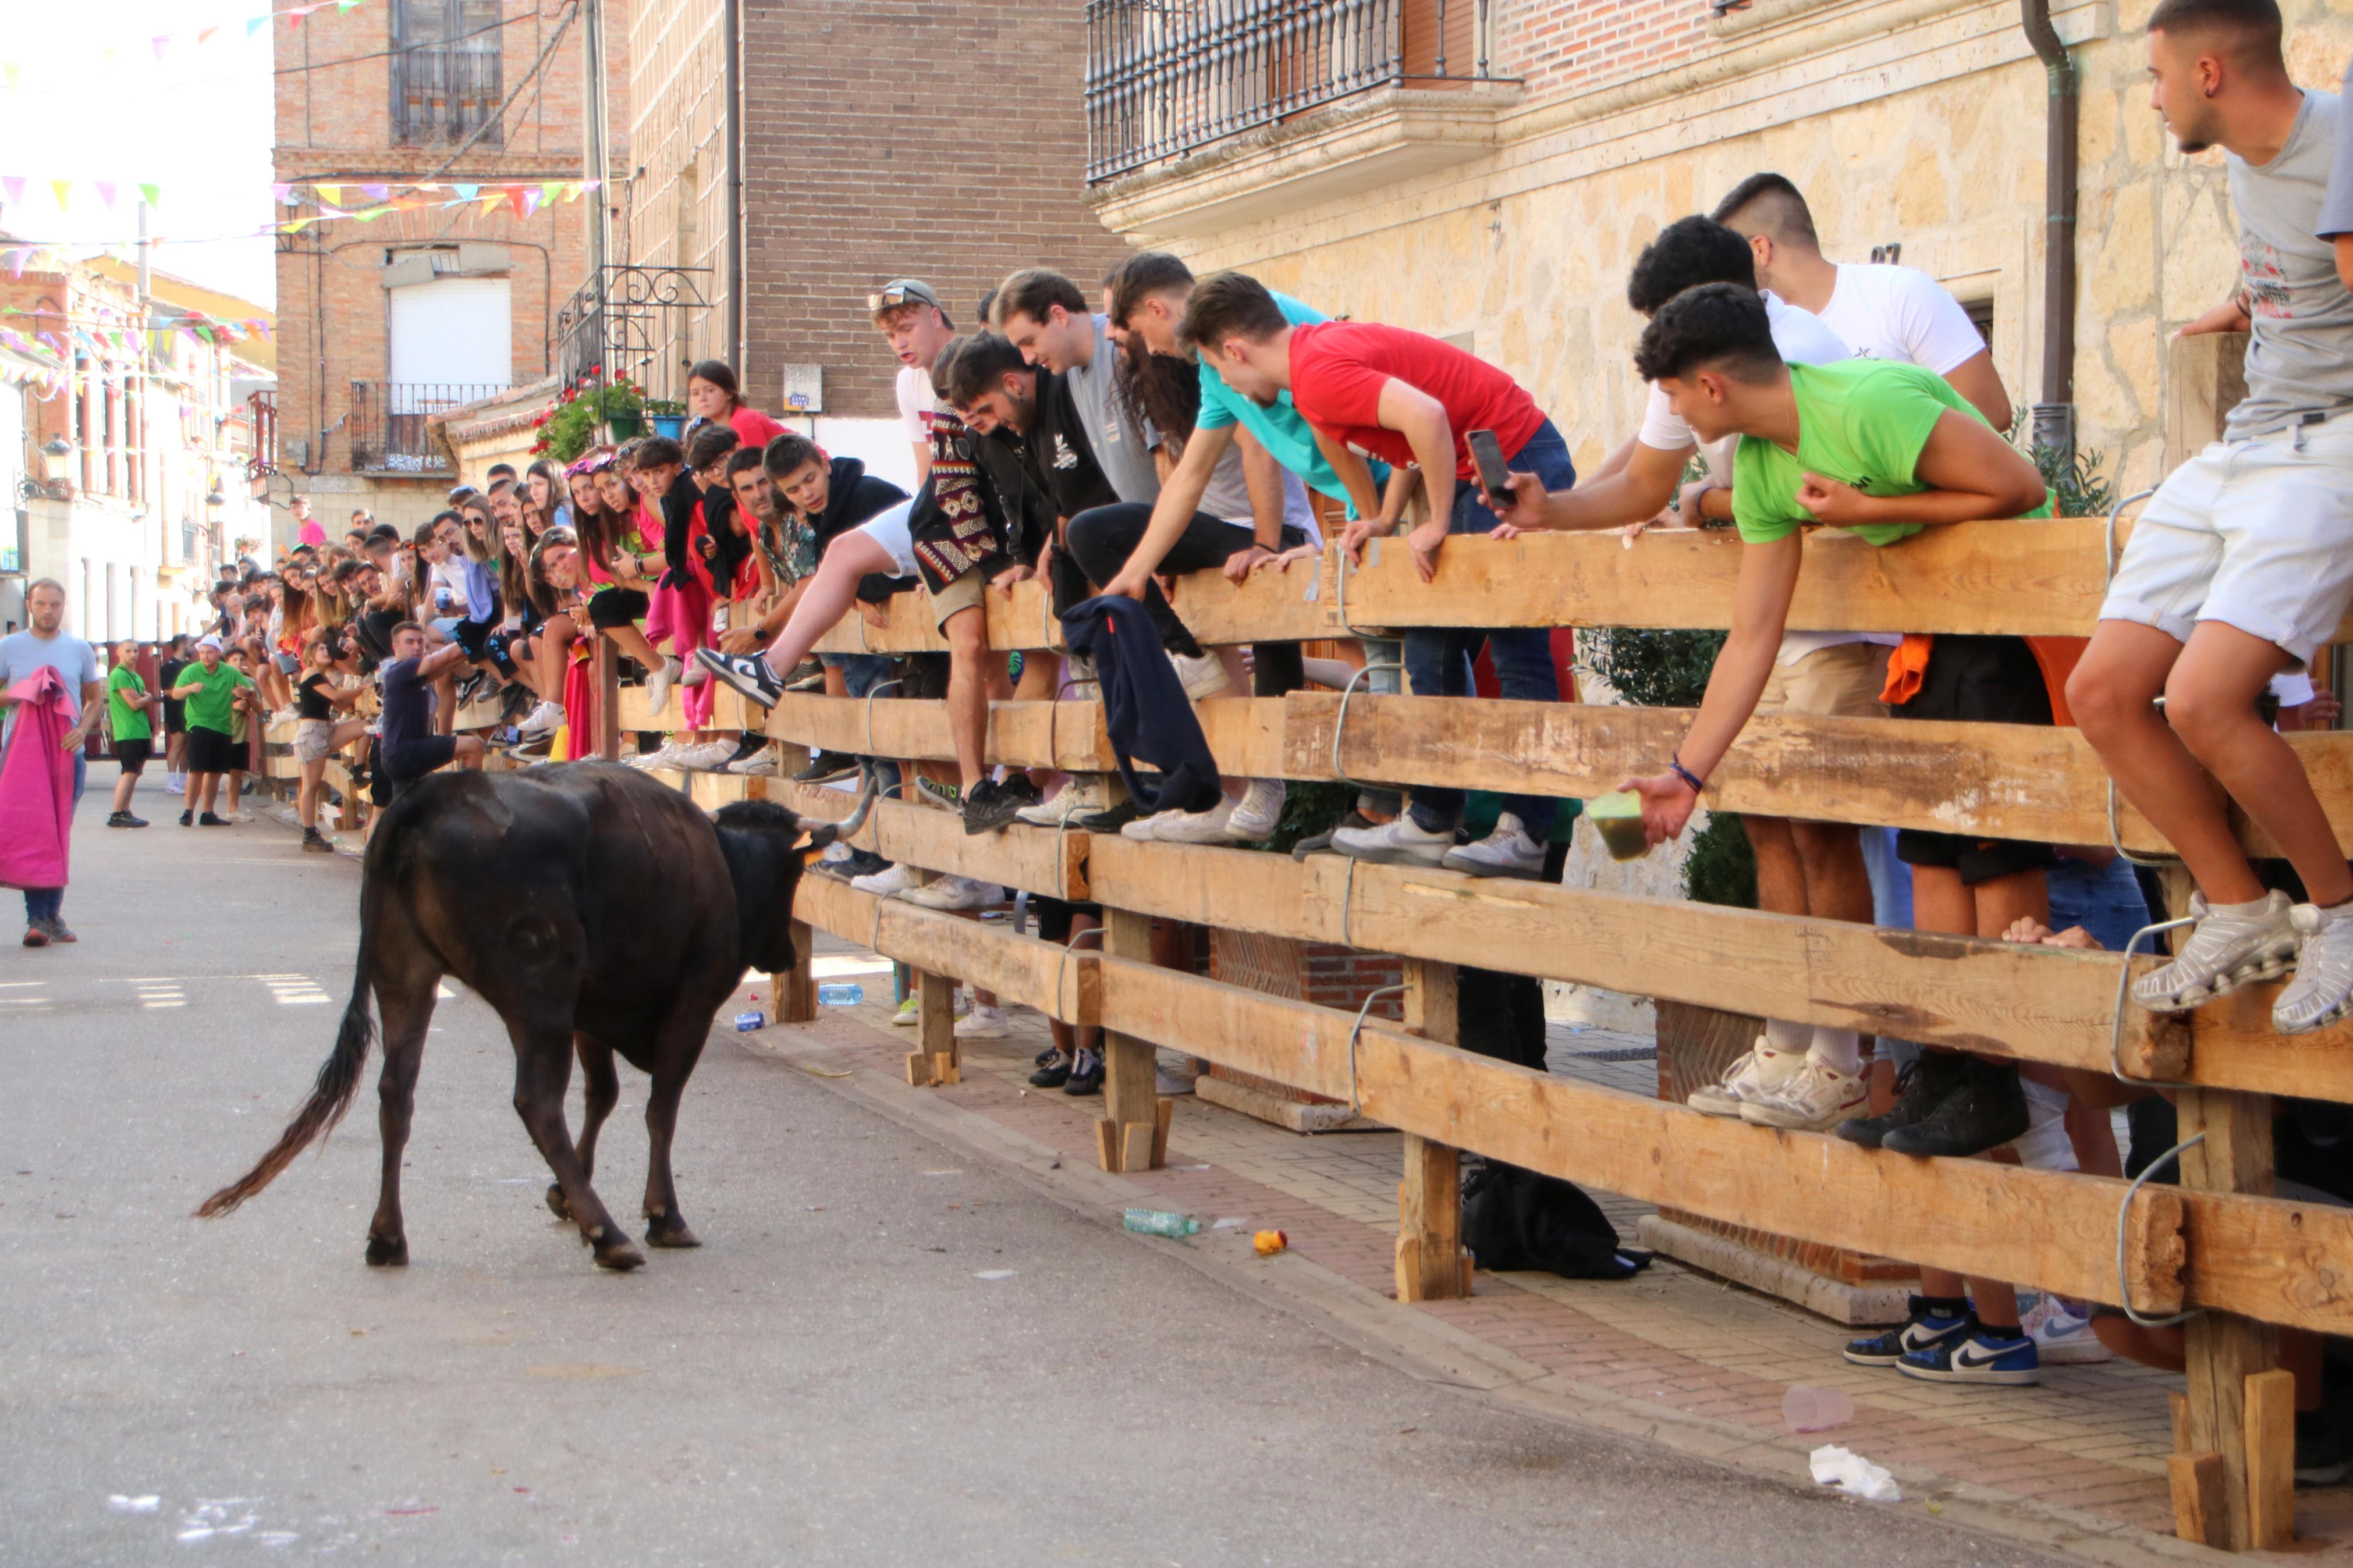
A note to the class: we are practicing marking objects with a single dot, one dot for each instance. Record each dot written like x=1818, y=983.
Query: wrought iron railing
x=635, y=321
x=1168, y=76
x=387, y=424
x=445, y=95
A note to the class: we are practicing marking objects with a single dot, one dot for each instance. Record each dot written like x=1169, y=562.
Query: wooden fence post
x=608, y=701
x=2225, y=1351
x=797, y=989
x=935, y=1061
x=1133, y=1132
x=1431, y=1263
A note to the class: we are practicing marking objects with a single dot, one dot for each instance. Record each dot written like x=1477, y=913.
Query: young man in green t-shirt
x=131, y=724
x=212, y=689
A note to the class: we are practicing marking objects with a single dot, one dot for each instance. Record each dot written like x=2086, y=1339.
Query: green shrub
x=1669, y=669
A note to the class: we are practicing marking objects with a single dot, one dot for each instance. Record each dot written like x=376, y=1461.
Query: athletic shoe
x=2322, y=992
x=35, y=936
x=1168, y=1083
x=956, y=893
x=1142, y=829
x=695, y=675
x=1084, y=795
x=1508, y=851
x=983, y=1024
x=1116, y=820
x=209, y=820
x=1919, y=1089
x=931, y=791
x=1208, y=826
x=1998, y=1357
x=2229, y=947
x=535, y=748
x=745, y=672
x=175, y=783
x=124, y=819
x=1985, y=1109
x=824, y=767
x=910, y=1013
x=1814, y=1098
x=545, y=718
x=1203, y=675
x=658, y=680
x=1086, y=1073
x=316, y=843
x=2062, y=1337
x=670, y=754
x=989, y=808
x=712, y=756
x=1321, y=842
x=188, y=818
x=760, y=764
x=1925, y=1325
x=893, y=880
x=1053, y=1072
x=1018, y=786
x=1259, y=811
x=1757, y=1069
x=1402, y=842
x=56, y=928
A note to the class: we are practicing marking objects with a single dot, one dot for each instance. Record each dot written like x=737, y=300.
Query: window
x=451, y=333
x=445, y=76
x=1980, y=314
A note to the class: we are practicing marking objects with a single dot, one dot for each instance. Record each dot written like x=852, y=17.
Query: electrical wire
x=411, y=48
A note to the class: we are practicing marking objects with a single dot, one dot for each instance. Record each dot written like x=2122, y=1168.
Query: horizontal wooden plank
x=730, y=710
x=1057, y=980
x=2006, y=781
x=1036, y=859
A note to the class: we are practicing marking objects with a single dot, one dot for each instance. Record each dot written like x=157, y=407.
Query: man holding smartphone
x=1411, y=400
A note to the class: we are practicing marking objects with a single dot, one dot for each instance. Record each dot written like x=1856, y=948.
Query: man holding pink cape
x=49, y=696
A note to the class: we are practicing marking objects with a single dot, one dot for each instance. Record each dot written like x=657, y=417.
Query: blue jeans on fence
x=43, y=903
x=1438, y=659
x=861, y=673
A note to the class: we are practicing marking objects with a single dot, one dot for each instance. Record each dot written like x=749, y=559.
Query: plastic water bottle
x=842, y=995
x=1159, y=1222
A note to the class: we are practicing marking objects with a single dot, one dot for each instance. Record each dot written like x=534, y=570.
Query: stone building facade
x=1505, y=212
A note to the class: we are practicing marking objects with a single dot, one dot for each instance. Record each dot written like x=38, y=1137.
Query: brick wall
x=1563, y=46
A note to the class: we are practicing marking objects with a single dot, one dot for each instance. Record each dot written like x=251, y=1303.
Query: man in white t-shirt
x=1878, y=311
x=908, y=312
x=1802, y=868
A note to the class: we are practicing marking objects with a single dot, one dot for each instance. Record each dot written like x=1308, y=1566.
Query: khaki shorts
x=966, y=593
x=315, y=740
x=1841, y=681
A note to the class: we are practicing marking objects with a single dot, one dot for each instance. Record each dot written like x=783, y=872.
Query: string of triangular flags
x=12, y=71
x=375, y=197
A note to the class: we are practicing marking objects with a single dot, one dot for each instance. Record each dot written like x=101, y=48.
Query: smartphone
x=1487, y=453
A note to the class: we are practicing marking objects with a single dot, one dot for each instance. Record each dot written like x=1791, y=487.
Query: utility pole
x=595, y=159
x=147, y=476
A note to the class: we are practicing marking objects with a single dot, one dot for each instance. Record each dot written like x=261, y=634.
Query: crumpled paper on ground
x=1850, y=1472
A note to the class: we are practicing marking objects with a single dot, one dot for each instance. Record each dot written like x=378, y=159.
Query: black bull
x=596, y=910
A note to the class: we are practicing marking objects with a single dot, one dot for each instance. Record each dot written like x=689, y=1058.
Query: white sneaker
x=1509, y=851
x=1203, y=674
x=1195, y=826
x=958, y=893
x=1814, y=1098
x=1759, y=1070
x=760, y=764
x=1145, y=829
x=658, y=680
x=2229, y=947
x=695, y=674
x=983, y=1024
x=175, y=783
x=911, y=1011
x=668, y=756
x=893, y=878
x=543, y=720
x=1258, y=811
x=2061, y=1338
x=1085, y=795
x=712, y=756
x=2322, y=992
x=1403, y=842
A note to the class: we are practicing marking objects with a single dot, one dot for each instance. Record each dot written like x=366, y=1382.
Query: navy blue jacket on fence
x=1146, y=709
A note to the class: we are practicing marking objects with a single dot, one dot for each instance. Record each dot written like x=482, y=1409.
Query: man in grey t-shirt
x=2241, y=564
x=48, y=644
x=1047, y=319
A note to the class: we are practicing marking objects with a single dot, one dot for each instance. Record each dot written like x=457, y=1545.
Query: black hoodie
x=853, y=498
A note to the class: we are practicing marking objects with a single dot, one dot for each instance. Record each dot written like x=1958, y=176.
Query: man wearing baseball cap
x=212, y=689
x=907, y=311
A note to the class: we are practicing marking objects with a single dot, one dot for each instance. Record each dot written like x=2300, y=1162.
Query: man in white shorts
x=2241, y=564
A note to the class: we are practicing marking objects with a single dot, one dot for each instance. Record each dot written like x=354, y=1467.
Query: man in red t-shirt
x=1411, y=400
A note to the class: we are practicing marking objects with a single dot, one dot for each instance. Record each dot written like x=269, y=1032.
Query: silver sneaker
x=2322, y=992
x=2227, y=948
x=1203, y=675
x=1508, y=851
x=1758, y=1071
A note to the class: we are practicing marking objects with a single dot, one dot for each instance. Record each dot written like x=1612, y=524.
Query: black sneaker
x=1047, y=1054
x=827, y=766
x=864, y=863
x=1986, y=1110
x=1918, y=1091
x=1018, y=786
x=2003, y=1358
x=746, y=672
x=988, y=807
x=315, y=843
x=123, y=819
x=1927, y=1322
x=1111, y=821
x=188, y=818
x=1086, y=1074
x=209, y=820
x=1053, y=1072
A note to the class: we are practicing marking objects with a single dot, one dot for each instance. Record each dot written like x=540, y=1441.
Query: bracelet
x=1675, y=766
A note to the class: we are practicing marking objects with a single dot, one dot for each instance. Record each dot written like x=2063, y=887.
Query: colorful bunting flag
x=376, y=192
x=106, y=189
x=63, y=190
x=14, y=186
x=151, y=195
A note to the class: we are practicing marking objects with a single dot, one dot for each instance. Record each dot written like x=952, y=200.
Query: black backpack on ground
x=1515, y=1218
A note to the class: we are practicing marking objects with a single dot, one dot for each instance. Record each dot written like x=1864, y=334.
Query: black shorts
x=175, y=722
x=133, y=754
x=618, y=607
x=1054, y=916
x=1987, y=680
x=414, y=759
x=474, y=637
x=211, y=752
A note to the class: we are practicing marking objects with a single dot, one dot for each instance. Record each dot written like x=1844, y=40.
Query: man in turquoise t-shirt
x=1879, y=449
x=128, y=707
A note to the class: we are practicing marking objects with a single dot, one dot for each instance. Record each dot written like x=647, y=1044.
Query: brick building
x=879, y=139
x=435, y=147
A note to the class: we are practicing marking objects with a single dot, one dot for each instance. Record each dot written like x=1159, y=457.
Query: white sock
x=1782, y=1036
x=1837, y=1048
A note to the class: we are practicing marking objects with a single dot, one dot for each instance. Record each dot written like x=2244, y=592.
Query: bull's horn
x=822, y=837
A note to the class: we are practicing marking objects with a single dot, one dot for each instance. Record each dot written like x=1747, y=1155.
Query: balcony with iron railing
x=446, y=94
x=387, y=424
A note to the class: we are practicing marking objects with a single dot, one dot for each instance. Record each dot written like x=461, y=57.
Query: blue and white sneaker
x=747, y=673
x=2062, y=1337
x=1922, y=1327
x=1998, y=1356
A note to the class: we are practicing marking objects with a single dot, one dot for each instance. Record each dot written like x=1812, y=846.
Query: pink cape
x=36, y=786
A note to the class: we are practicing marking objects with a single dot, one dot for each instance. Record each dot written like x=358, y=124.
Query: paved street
x=887, y=1350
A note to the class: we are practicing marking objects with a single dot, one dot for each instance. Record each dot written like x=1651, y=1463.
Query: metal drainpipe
x=2055, y=414
x=736, y=313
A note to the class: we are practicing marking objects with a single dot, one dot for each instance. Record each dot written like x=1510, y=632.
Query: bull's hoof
x=621, y=1258
x=669, y=1230
x=383, y=1253
x=557, y=1204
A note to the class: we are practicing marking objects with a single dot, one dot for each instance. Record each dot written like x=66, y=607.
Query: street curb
x=1432, y=1351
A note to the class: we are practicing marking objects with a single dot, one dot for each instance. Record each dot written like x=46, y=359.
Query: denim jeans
x=43, y=903
x=1438, y=659
x=2104, y=899
x=861, y=673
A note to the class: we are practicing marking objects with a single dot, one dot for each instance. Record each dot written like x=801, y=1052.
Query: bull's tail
x=330, y=1096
